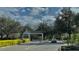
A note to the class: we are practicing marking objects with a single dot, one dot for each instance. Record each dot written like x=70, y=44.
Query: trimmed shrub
x=12, y=42
x=69, y=48
x=26, y=40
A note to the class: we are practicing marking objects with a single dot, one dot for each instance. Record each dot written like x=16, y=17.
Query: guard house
x=30, y=34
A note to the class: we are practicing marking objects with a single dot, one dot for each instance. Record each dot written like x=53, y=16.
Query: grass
x=75, y=38
x=4, y=43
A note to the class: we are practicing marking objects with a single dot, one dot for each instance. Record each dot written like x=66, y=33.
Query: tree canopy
x=8, y=26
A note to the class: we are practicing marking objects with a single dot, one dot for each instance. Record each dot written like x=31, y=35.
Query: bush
x=70, y=48
x=26, y=40
x=8, y=42
x=12, y=42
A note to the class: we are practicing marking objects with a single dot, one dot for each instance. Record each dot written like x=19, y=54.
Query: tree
x=24, y=29
x=76, y=28
x=59, y=28
x=45, y=29
x=8, y=26
x=76, y=21
x=64, y=23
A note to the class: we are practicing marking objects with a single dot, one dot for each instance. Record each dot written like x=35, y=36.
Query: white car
x=60, y=41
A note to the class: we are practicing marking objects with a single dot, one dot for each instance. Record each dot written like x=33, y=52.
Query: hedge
x=12, y=42
x=26, y=40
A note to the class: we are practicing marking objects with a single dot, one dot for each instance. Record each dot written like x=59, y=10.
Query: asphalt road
x=33, y=47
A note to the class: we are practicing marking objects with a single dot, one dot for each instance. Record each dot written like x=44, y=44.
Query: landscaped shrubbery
x=12, y=42
x=70, y=48
x=74, y=39
x=26, y=40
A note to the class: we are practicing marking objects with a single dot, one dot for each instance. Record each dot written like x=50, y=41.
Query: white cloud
x=49, y=19
x=28, y=19
x=24, y=19
x=6, y=11
x=28, y=9
x=59, y=11
x=75, y=9
x=36, y=11
x=23, y=10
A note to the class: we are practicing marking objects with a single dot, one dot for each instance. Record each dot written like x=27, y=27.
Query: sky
x=32, y=15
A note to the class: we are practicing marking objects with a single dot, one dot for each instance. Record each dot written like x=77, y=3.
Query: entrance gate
x=29, y=35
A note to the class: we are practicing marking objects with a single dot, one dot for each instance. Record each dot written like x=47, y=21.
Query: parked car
x=57, y=41
x=54, y=41
x=60, y=41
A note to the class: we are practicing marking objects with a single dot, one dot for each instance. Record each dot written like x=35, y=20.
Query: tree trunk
x=21, y=36
x=7, y=36
x=68, y=40
x=1, y=36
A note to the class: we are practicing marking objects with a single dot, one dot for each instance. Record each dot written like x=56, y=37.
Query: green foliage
x=8, y=26
x=76, y=19
x=65, y=24
x=60, y=26
x=24, y=29
x=46, y=30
